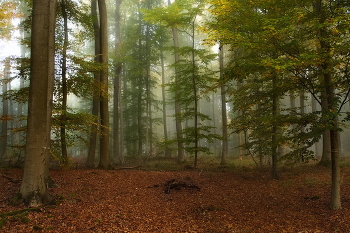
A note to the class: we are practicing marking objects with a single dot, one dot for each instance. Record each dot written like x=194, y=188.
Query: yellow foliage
x=8, y=11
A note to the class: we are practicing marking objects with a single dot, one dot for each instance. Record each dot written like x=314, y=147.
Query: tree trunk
x=326, y=67
x=33, y=188
x=179, y=135
x=223, y=109
x=64, y=154
x=5, y=114
x=165, y=126
x=326, y=145
x=274, y=154
x=180, y=144
x=317, y=144
x=104, y=143
x=96, y=97
x=302, y=112
x=117, y=75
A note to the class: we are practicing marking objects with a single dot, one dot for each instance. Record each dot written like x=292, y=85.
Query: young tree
x=5, y=111
x=224, y=150
x=33, y=189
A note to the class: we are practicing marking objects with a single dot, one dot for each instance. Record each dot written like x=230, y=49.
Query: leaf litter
x=183, y=201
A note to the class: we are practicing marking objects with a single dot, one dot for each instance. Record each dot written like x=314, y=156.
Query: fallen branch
x=124, y=168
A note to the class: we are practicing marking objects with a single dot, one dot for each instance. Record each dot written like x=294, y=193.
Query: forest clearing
x=237, y=199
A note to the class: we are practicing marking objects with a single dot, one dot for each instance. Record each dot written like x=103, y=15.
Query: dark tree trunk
x=64, y=85
x=96, y=97
x=104, y=143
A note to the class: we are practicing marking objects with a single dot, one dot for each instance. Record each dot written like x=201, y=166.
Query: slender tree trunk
x=179, y=135
x=64, y=86
x=96, y=97
x=117, y=75
x=165, y=126
x=104, y=143
x=302, y=112
x=326, y=49
x=223, y=109
x=317, y=144
x=274, y=172
x=34, y=188
x=326, y=145
x=12, y=114
x=148, y=94
x=195, y=103
x=121, y=144
x=5, y=113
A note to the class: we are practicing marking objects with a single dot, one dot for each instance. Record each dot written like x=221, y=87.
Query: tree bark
x=33, y=188
x=64, y=152
x=326, y=145
x=180, y=144
x=326, y=49
x=165, y=126
x=5, y=113
x=104, y=143
x=274, y=154
x=223, y=109
x=118, y=157
x=96, y=98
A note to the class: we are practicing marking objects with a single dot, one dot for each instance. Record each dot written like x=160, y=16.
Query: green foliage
x=276, y=52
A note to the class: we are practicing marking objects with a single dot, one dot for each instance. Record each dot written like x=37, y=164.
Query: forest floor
x=239, y=201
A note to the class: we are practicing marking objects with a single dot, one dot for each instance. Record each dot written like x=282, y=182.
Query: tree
x=5, y=112
x=64, y=84
x=224, y=150
x=191, y=74
x=7, y=13
x=96, y=97
x=305, y=44
x=104, y=142
x=117, y=153
x=33, y=188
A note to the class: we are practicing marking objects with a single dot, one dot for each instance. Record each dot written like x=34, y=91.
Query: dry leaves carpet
x=135, y=201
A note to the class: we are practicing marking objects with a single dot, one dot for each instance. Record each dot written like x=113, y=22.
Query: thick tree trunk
x=33, y=188
x=96, y=98
x=104, y=143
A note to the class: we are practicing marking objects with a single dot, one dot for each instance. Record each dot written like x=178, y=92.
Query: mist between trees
x=189, y=80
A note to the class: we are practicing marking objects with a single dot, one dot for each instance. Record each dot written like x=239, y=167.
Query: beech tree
x=104, y=143
x=33, y=188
